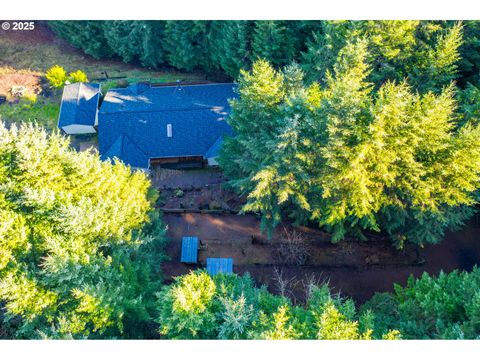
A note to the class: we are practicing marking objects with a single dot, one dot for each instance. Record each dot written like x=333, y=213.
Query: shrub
x=56, y=76
x=77, y=76
x=179, y=193
x=443, y=307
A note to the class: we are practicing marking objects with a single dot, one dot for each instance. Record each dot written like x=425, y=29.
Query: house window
x=169, y=130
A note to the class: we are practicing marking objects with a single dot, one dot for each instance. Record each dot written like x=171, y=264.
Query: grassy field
x=43, y=112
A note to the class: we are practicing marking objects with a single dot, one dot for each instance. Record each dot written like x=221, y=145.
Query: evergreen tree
x=469, y=64
x=231, y=46
x=272, y=40
x=197, y=306
x=186, y=44
x=86, y=35
x=349, y=158
x=424, y=53
x=137, y=40
x=73, y=262
x=431, y=307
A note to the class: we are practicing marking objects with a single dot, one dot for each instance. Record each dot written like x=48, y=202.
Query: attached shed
x=219, y=265
x=189, y=250
x=79, y=108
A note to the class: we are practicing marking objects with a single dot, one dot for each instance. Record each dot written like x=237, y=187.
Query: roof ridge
x=153, y=86
x=153, y=111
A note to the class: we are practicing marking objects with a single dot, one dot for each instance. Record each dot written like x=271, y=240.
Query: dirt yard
x=196, y=189
x=356, y=269
x=27, y=82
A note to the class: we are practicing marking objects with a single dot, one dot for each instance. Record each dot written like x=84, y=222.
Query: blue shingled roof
x=219, y=265
x=189, y=249
x=79, y=104
x=197, y=114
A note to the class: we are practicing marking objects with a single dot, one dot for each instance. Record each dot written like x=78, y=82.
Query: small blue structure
x=219, y=265
x=79, y=108
x=189, y=249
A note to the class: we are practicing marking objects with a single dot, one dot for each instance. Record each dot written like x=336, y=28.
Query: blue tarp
x=219, y=265
x=189, y=249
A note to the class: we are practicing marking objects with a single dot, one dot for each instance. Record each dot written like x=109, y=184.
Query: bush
x=179, y=193
x=29, y=98
x=77, y=76
x=443, y=307
x=56, y=76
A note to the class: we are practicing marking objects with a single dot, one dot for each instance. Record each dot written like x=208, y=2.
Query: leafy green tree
x=137, y=40
x=431, y=307
x=74, y=263
x=469, y=64
x=469, y=105
x=425, y=53
x=186, y=44
x=230, y=44
x=186, y=308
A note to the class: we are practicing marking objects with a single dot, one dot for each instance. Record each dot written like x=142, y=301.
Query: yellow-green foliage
x=56, y=76
x=69, y=226
x=193, y=293
x=77, y=76
x=351, y=157
x=197, y=306
x=431, y=307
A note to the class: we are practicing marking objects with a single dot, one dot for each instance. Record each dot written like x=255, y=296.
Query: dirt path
x=231, y=236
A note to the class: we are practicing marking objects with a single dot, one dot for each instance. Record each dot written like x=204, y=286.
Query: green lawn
x=44, y=112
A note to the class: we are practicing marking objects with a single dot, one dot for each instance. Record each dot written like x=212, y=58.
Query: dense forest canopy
x=422, y=50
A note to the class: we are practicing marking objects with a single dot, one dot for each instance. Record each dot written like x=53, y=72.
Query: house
x=79, y=108
x=175, y=126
